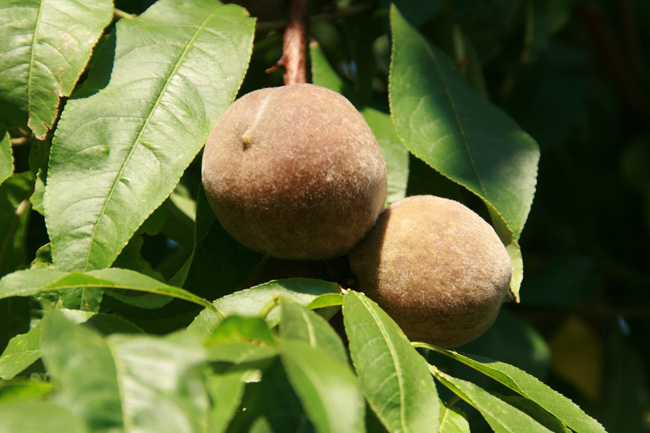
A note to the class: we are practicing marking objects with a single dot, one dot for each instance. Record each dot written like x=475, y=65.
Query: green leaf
x=44, y=47
x=219, y=264
x=14, y=218
x=226, y=391
x=28, y=389
x=502, y=417
x=453, y=420
x=250, y=302
x=6, y=158
x=154, y=93
x=71, y=353
x=459, y=133
x=84, y=299
x=394, y=376
x=394, y=152
x=326, y=300
x=161, y=388
x=241, y=352
x=38, y=417
x=299, y=323
x=528, y=386
x=21, y=352
x=322, y=72
x=327, y=388
x=271, y=405
x=237, y=328
x=537, y=412
x=34, y=281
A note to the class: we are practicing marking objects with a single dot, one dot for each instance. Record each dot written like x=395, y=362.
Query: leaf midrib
x=154, y=108
x=396, y=362
x=457, y=117
x=32, y=57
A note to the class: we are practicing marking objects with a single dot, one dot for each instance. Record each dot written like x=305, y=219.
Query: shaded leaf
x=18, y=417
x=226, y=391
x=34, y=281
x=14, y=217
x=250, y=302
x=6, y=158
x=219, y=264
x=327, y=388
x=299, y=323
x=126, y=137
x=44, y=47
x=529, y=387
x=271, y=405
x=21, y=352
x=394, y=152
x=501, y=416
x=394, y=376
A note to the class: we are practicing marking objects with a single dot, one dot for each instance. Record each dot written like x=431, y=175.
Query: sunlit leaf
x=157, y=87
x=453, y=420
x=34, y=281
x=44, y=47
x=21, y=352
x=327, y=388
x=250, y=302
x=529, y=387
x=71, y=352
x=38, y=417
x=299, y=323
x=6, y=157
x=502, y=417
x=394, y=376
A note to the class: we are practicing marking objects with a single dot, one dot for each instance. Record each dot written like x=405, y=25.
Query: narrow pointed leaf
x=502, y=417
x=530, y=387
x=71, y=352
x=394, y=376
x=34, y=281
x=14, y=219
x=453, y=420
x=327, y=388
x=299, y=323
x=458, y=132
x=44, y=47
x=161, y=387
x=250, y=302
x=6, y=158
x=21, y=352
x=158, y=86
x=226, y=391
x=19, y=417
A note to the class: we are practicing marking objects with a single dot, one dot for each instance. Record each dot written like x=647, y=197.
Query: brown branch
x=293, y=58
x=339, y=12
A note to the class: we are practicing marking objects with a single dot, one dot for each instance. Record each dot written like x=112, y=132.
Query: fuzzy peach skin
x=436, y=267
x=294, y=172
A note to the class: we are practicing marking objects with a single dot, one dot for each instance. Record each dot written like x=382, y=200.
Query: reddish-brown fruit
x=436, y=267
x=294, y=172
